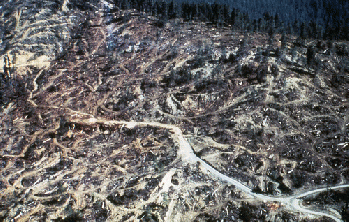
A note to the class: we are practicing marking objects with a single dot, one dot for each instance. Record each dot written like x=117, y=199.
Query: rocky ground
x=270, y=114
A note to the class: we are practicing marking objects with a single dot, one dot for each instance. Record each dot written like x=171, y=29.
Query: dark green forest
x=320, y=19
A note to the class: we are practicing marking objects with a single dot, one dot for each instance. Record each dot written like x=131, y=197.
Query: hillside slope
x=270, y=115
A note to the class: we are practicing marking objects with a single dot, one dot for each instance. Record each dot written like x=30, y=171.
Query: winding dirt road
x=293, y=202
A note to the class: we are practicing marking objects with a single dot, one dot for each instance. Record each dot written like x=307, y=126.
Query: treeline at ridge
x=318, y=19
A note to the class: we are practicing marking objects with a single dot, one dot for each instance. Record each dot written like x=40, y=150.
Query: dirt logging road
x=292, y=202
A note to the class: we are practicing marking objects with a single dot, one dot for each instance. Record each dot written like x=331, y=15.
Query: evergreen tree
x=303, y=33
x=283, y=41
x=172, y=10
x=310, y=55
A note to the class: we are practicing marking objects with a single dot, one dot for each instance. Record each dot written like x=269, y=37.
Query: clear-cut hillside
x=270, y=114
